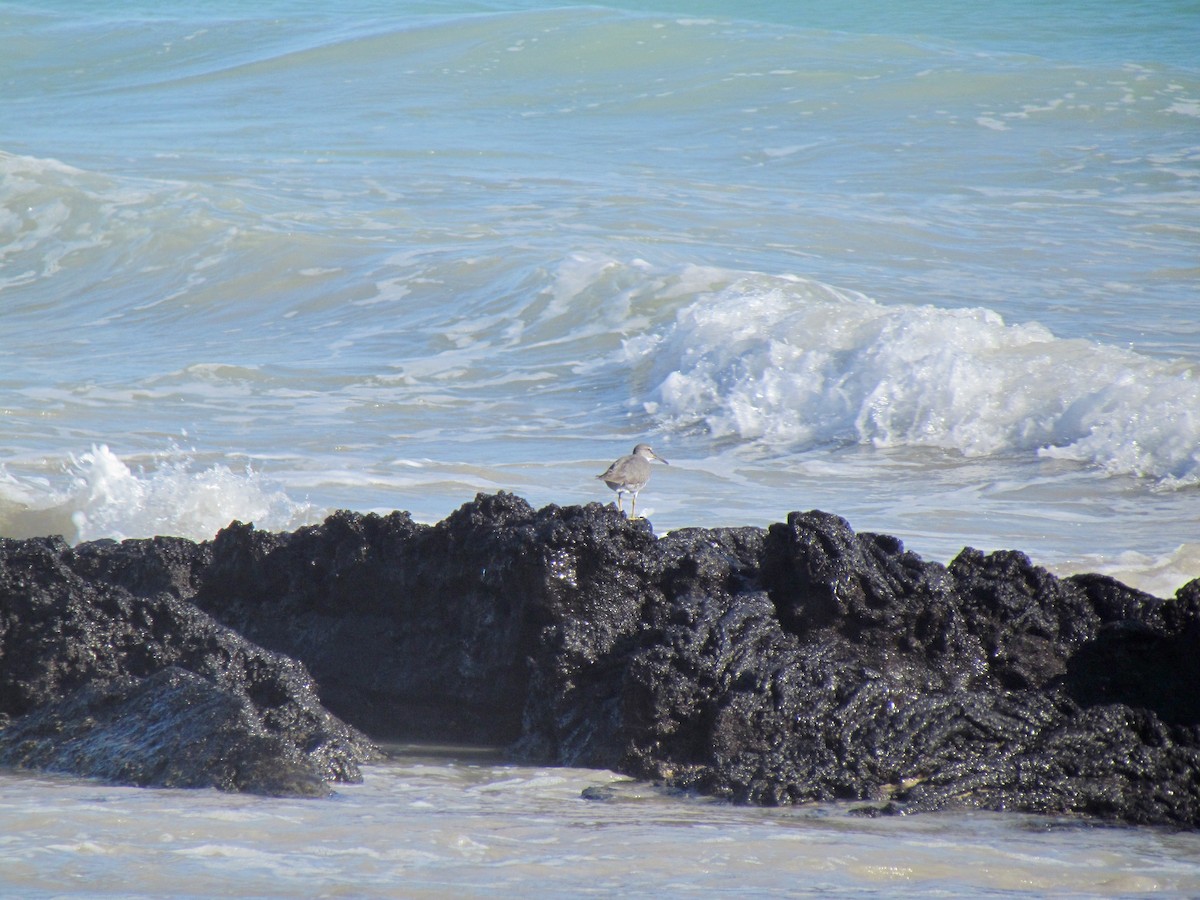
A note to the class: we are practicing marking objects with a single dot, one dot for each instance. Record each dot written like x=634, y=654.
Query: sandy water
x=423, y=825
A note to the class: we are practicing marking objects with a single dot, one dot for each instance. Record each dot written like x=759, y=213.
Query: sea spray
x=106, y=498
x=792, y=363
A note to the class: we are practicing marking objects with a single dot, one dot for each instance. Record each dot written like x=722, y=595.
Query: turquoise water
x=262, y=263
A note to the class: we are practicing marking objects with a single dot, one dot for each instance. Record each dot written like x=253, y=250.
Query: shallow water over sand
x=427, y=825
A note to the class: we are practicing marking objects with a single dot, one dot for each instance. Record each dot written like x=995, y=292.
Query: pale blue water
x=932, y=267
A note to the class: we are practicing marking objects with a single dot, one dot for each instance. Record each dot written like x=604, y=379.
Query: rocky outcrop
x=143, y=688
x=801, y=662
x=170, y=729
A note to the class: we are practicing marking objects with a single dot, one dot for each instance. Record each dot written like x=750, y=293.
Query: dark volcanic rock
x=169, y=729
x=806, y=662
x=424, y=632
x=803, y=662
x=62, y=633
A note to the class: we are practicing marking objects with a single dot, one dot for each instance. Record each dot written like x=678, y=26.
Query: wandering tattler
x=629, y=474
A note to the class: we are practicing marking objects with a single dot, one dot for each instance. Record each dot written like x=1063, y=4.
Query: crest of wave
x=791, y=362
x=107, y=499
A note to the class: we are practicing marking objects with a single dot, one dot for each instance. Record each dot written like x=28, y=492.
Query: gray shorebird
x=629, y=474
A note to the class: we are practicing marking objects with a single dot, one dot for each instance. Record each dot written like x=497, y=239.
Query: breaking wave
x=792, y=363
x=106, y=498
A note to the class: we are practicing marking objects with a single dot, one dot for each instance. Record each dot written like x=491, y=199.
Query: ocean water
x=419, y=827
x=929, y=267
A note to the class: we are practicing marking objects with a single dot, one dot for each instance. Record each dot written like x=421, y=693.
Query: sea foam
x=791, y=363
x=106, y=498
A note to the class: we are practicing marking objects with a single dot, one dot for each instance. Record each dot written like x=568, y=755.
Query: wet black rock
x=170, y=729
x=81, y=672
x=801, y=662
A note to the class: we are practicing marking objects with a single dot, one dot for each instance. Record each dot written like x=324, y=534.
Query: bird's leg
x=633, y=511
x=618, y=501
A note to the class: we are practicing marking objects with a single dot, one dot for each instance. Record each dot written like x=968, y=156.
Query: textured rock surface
x=74, y=641
x=169, y=729
x=801, y=662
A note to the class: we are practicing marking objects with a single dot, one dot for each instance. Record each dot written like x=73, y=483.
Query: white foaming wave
x=1158, y=574
x=790, y=362
x=108, y=499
